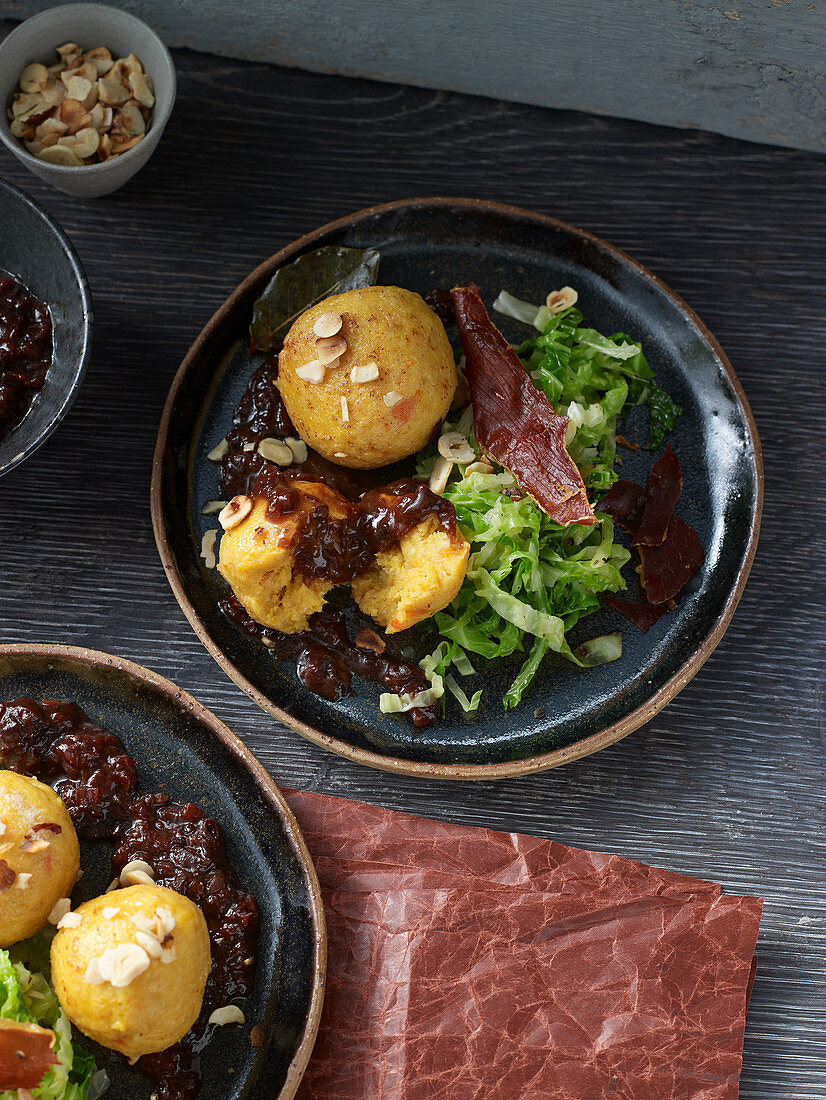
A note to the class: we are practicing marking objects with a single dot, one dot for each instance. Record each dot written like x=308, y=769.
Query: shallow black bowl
x=36, y=251
x=565, y=713
x=185, y=751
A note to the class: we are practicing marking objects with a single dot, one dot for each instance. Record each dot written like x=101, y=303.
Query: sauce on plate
x=25, y=350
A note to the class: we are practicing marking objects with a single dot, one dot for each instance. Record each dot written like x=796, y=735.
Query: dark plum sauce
x=25, y=350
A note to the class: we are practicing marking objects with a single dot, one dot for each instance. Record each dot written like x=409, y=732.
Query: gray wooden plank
x=752, y=70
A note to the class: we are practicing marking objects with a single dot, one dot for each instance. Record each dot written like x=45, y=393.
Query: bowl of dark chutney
x=45, y=325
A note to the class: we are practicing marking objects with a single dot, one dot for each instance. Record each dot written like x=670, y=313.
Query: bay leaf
x=302, y=283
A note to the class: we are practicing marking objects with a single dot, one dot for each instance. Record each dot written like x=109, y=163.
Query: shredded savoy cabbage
x=530, y=580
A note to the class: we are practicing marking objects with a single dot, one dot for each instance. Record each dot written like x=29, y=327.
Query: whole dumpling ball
x=373, y=390
x=129, y=968
x=39, y=855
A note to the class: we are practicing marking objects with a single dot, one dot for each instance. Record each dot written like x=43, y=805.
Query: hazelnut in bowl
x=86, y=92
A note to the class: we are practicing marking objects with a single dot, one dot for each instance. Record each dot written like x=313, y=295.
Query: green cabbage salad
x=530, y=580
x=27, y=997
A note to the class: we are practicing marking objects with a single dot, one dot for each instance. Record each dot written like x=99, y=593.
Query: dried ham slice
x=662, y=491
x=669, y=565
x=514, y=422
x=26, y=1053
x=624, y=503
x=667, y=568
x=642, y=615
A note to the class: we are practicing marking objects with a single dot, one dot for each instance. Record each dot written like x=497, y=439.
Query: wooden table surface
x=728, y=781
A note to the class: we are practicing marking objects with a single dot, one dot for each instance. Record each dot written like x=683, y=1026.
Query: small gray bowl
x=89, y=25
x=36, y=251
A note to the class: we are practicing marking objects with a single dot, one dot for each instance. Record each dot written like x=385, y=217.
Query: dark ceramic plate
x=184, y=750
x=566, y=713
x=36, y=251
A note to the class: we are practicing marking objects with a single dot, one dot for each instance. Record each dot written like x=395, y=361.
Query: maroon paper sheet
x=467, y=963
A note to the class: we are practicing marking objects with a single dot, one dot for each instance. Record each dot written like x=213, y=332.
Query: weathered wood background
x=728, y=781
x=753, y=69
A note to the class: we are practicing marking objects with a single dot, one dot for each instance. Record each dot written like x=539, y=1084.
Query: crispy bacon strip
x=667, y=568
x=514, y=422
x=662, y=491
x=642, y=615
x=26, y=1053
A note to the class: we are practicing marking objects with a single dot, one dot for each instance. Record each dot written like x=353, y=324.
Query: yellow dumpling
x=39, y=855
x=388, y=388
x=256, y=558
x=129, y=968
x=414, y=578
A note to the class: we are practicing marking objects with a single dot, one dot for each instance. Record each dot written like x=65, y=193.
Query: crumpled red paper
x=466, y=963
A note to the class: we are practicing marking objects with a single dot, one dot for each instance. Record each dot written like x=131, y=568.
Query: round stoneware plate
x=36, y=251
x=565, y=713
x=185, y=751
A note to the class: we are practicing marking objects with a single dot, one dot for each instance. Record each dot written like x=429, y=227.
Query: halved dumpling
x=414, y=578
x=257, y=559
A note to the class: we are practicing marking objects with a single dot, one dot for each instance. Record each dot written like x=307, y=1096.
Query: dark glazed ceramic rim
x=553, y=759
x=271, y=793
x=88, y=318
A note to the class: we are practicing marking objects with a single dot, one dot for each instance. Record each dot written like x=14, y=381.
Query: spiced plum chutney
x=25, y=350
